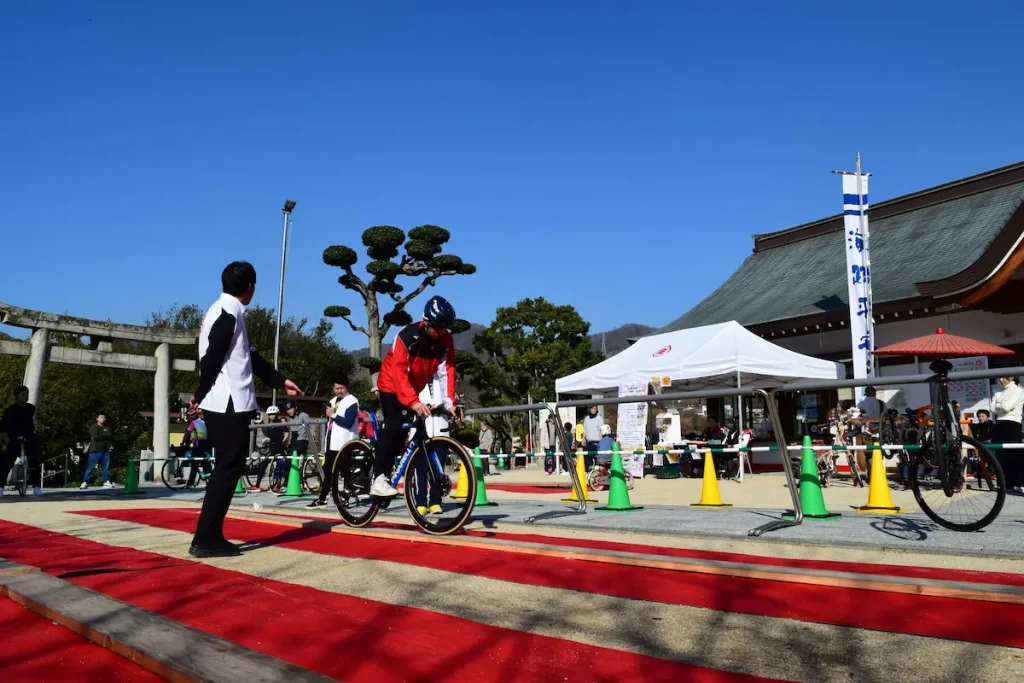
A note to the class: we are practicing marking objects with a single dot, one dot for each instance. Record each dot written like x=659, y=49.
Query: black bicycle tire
x=163, y=475
x=253, y=471
x=339, y=487
x=310, y=470
x=993, y=465
x=22, y=482
x=468, y=502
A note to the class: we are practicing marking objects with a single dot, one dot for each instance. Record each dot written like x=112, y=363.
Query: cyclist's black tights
x=391, y=437
x=8, y=457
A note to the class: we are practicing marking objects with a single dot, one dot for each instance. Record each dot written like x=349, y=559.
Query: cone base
x=626, y=509
x=881, y=510
x=131, y=493
x=488, y=504
x=816, y=518
x=575, y=500
x=711, y=505
x=291, y=495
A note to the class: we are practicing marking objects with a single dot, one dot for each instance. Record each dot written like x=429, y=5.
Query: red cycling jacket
x=414, y=359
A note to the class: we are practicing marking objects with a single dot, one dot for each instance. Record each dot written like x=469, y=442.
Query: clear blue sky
x=568, y=146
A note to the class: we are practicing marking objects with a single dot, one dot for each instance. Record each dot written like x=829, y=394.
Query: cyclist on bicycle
x=421, y=352
x=18, y=422
x=605, y=446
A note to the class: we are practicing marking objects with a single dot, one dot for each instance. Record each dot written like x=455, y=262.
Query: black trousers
x=330, y=460
x=392, y=436
x=229, y=434
x=1008, y=431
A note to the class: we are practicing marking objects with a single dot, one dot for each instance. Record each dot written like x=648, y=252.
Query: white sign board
x=632, y=422
x=972, y=394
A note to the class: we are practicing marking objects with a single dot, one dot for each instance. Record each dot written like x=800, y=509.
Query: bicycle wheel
x=976, y=501
x=353, y=474
x=22, y=477
x=174, y=475
x=312, y=481
x=594, y=480
x=629, y=480
x=438, y=488
x=256, y=473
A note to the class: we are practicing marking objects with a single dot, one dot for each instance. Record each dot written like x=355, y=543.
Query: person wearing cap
x=592, y=424
x=871, y=409
x=301, y=433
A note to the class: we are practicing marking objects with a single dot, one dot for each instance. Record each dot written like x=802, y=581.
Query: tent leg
x=780, y=439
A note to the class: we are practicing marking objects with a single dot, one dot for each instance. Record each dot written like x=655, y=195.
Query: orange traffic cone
x=709, y=496
x=582, y=474
x=879, y=500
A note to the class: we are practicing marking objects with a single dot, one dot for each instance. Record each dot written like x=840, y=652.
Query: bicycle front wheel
x=312, y=481
x=353, y=474
x=448, y=508
x=174, y=475
x=979, y=490
x=22, y=481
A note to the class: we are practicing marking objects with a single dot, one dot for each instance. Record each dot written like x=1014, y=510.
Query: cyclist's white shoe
x=107, y=485
x=37, y=491
x=84, y=486
x=382, y=488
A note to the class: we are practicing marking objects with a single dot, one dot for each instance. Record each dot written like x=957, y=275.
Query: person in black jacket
x=227, y=395
x=18, y=422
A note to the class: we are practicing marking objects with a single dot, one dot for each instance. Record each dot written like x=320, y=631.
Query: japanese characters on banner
x=858, y=271
x=972, y=394
x=632, y=427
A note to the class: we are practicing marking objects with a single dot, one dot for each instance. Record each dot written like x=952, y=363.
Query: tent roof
x=703, y=358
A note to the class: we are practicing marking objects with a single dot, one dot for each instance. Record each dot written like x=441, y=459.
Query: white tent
x=709, y=357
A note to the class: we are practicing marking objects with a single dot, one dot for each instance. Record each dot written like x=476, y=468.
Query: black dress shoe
x=223, y=549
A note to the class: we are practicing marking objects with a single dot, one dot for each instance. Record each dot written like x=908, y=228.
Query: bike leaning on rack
x=431, y=467
x=970, y=489
x=185, y=470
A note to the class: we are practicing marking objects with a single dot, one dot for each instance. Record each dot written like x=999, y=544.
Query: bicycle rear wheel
x=174, y=474
x=255, y=473
x=975, y=502
x=353, y=474
x=312, y=481
x=439, y=488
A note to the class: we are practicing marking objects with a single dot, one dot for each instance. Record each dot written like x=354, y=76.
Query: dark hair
x=567, y=426
x=987, y=414
x=101, y=412
x=237, y=277
x=343, y=381
x=20, y=388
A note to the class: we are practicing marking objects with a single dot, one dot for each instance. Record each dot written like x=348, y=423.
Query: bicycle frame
x=436, y=469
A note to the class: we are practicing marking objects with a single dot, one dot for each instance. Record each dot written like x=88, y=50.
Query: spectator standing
x=227, y=395
x=572, y=443
x=19, y=422
x=1008, y=405
x=486, y=448
x=343, y=413
x=592, y=424
x=99, y=451
x=549, y=442
x=302, y=433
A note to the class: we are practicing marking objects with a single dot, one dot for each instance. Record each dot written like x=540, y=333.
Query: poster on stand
x=632, y=427
x=972, y=394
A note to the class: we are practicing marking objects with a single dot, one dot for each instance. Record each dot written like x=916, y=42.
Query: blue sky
x=614, y=156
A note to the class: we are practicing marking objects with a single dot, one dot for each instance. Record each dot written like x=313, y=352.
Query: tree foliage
x=422, y=259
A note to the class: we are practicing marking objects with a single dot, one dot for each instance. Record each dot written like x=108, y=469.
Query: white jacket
x=434, y=396
x=1009, y=403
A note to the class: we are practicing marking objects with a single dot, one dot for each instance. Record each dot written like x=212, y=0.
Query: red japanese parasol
x=942, y=345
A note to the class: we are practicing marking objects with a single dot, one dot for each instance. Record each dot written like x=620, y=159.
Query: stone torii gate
x=100, y=335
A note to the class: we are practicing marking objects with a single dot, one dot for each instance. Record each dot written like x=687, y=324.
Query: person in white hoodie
x=1008, y=405
x=437, y=425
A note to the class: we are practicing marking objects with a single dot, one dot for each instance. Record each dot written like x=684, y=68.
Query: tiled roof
x=807, y=276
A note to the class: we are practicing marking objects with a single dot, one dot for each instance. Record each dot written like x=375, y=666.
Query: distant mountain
x=615, y=340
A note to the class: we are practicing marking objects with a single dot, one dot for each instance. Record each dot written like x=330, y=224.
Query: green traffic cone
x=481, y=488
x=294, y=489
x=618, y=494
x=811, y=499
x=239, y=488
x=131, y=483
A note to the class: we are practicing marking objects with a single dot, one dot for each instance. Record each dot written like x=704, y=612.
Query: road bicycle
x=432, y=466
x=970, y=489
x=313, y=475
x=265, y=472
x=186, y=471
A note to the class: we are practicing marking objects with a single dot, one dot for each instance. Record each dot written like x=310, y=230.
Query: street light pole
x=286, y=218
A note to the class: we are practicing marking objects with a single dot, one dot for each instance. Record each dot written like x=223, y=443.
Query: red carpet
x=337, y=635
x=978, y=621
x=36, y=649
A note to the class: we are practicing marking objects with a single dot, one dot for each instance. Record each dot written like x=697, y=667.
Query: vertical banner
x=858, y=271
x=631, y=428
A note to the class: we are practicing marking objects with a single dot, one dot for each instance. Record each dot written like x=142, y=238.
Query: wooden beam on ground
x=100, y=359
x=167, y=648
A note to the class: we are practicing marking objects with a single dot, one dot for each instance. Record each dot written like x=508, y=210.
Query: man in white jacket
x=437, y=425
x=1008, y=405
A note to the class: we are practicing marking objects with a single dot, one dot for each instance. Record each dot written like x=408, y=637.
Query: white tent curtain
x=709, y=357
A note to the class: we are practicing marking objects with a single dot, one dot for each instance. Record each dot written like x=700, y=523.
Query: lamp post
x=286, y=219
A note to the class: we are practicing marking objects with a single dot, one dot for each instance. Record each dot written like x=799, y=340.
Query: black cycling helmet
x=439, y=313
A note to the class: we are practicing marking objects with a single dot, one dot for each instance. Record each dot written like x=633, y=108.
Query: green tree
x=422, y=259
x=525, y=349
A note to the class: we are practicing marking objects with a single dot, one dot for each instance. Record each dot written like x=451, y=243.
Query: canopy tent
x=709, y=357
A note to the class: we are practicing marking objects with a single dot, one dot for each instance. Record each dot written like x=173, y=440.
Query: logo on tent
x=662, y=351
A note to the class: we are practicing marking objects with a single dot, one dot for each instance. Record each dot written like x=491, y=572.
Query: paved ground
x=667, y=593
